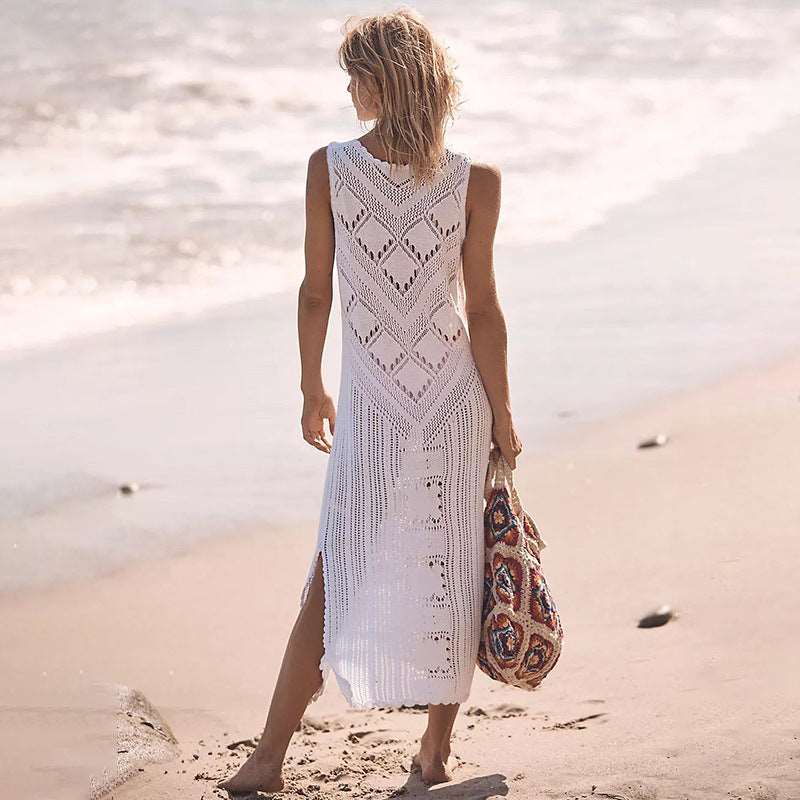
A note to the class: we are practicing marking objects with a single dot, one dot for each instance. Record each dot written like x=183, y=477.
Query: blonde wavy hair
x=413, y=78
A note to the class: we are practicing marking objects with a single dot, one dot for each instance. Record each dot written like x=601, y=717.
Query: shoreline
x=199, y=412
x=565, y=441
x=651, y=713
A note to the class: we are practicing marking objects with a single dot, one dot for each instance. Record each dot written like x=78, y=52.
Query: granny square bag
x=521, y=630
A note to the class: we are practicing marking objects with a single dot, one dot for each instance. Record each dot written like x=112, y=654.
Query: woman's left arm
x=314, y=303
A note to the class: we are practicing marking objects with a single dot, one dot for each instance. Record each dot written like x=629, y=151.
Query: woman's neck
x=374, y=144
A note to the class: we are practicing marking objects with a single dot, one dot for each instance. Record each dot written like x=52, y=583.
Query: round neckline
x=369, y=155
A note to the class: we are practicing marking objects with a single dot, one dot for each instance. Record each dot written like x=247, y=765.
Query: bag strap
x=498, y=472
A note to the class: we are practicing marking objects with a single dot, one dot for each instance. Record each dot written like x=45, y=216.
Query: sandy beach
x=703, y=707
x=647, y=263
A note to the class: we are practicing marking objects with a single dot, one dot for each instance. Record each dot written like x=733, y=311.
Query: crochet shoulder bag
x=521, y=629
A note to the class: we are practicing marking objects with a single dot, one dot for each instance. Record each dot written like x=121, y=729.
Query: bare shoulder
x=483, y=174
x=483, y=190
x=318, y=171
x=318, y=160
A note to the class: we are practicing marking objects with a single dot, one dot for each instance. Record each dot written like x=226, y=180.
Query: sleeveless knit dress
x=401, y=525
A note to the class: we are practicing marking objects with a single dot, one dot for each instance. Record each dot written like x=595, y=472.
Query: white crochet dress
x=401, y=526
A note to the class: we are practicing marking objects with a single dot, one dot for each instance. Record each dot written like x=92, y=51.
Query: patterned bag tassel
x=521, y=631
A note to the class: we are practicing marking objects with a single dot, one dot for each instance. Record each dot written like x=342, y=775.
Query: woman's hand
x=316, y=408
x=505, y=437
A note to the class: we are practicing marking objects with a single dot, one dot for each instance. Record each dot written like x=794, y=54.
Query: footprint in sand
x=375, y=738
x=499, y=711
x=311, y=725
x=573, y=724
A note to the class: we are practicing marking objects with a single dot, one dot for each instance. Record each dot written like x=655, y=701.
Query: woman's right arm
x=314, y=303
x=487, y=327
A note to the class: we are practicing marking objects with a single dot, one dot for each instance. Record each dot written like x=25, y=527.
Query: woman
x=392, y=598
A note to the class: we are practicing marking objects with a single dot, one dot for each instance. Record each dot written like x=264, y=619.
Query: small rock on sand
x=661, y=616
x=659, y=440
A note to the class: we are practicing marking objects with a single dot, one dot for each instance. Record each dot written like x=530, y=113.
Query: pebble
x=661, y=616
x=659, y=440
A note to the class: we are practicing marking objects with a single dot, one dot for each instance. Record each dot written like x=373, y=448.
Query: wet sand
x=705, y=706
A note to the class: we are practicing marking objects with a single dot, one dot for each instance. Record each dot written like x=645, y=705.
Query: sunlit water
x=153, y=154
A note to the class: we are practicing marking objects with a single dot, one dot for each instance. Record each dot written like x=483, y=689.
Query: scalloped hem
x=398, y=703
x=326, y=669
x=344, y=687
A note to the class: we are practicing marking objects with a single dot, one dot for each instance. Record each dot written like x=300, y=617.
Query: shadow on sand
x=480, y=788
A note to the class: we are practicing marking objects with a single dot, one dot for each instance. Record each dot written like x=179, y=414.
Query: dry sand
x=706, y=706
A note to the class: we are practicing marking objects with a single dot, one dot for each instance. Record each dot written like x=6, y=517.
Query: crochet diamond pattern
x=401, y=524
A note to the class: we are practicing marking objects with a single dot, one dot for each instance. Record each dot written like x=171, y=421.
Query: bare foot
x=415, y=766
x=257, y=774
x=431, y=762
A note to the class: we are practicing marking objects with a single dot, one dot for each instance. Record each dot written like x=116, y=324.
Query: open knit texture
x=401, y=525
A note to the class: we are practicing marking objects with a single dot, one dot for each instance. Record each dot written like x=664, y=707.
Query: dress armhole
x=467, y=171
x=329, y=157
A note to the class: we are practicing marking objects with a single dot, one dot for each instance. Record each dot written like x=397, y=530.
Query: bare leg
x=298, y=679
x=435, y=744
